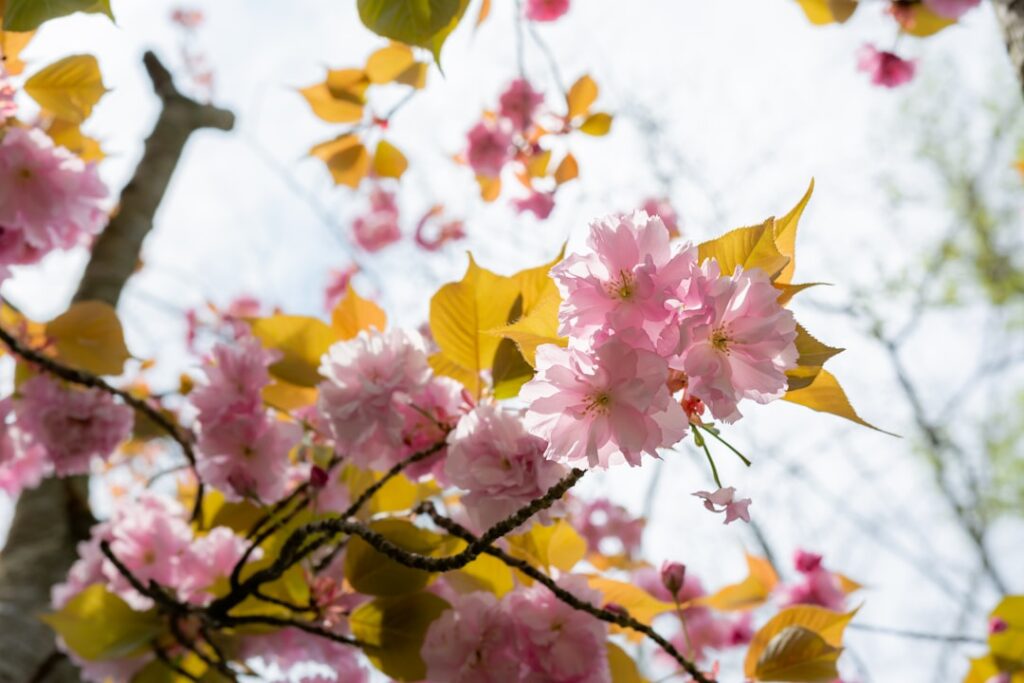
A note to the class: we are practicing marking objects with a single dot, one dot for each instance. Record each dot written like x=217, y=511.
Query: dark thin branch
x=619, y=617
x=917, y=635
x=165, y=658
x=290, y=623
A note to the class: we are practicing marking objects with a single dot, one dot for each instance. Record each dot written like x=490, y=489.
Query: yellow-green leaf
x=88, y=336
x=442, y=365
x=539, y=326
x=785, y=236
x=388, y=63
x=751, y=592
x=643, y=606
x=98, y=625
x=821, y=12
x=287, y=397
x=828, y=625
x=415, y=76
x=388, y=161
x=622, y=667
x=555, y=545
x=68, y=88
x=597, y=124
x=486, y=572
x=393, y=630
x=1007, y=646
x=826, y=396
x=353, y=314
x=462, y=312
x=412, y=23
x=923, y=22
x=580, y=96
x=330, y=108
x=69, y=135
x=510, y=370
x=301, y=340
x=325, y=150
x=796, y=655
x=751, y=247
x=11, y=45
x=28, y=15
x=813, y=355
x=349, y=166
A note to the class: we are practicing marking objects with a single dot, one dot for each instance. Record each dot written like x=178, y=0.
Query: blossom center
x=25, y=173
x=720, y=339
x=599, y=402
x=623, y=287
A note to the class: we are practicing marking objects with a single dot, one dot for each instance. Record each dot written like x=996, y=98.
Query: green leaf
x=99, y=626
x=393, y=630
x=413, y=22
x=301, y=340
x=374, y=573
x=27, y=15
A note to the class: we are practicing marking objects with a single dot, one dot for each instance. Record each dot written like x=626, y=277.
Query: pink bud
x=616, y=608
x=806, y=562
x=317, y=477
x=673, y=575
x=997, y=625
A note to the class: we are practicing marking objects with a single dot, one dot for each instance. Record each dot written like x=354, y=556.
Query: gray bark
x=50, y=520
x=1011, y=18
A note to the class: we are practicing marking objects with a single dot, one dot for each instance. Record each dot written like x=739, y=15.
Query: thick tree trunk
x=1011, y=18
x=51, y=519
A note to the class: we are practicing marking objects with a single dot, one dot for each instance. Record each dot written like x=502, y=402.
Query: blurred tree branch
x=1011, y=18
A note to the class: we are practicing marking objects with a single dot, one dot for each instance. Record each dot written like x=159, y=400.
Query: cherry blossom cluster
x=528, y=635
x=52, y=427
x=243, y=448
x=49, y=198
x=653, y=338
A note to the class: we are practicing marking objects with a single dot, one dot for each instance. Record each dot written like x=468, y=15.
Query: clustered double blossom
x=49, y=198
x=527, y=636
x=651, y=330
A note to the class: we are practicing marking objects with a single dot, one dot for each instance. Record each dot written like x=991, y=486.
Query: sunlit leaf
x=751, y=247
x=597, y=124
x=98, y=625
x=68, y=88
x=88, y=336
x=923, y=22
x=537, y=165
x=28, y=15
x=462, y=312
x=350, y=166
x=1007, y=645
x=813, y=355
x=415, y=76
x=387, y=63
x=325, y=150
x=330, y=108
x=442, y=365
x=510, y=370
x=374, y=573
x=353, y=314
x=388, y=161
x=11, y=45
x=393, y=630
x=301, y=340
x=490, y=187
x=826, y=396
x=787, y=292
x=622, y=667
x=797, y=654
x=539, y=326
x=287, y=397
x=485, y=11
x=69, y=135
x=581, y=96
x=784, y=231
x=486, y=572
x=826, y=624
x=821, y=12
x=751, y=592
x=567, y=170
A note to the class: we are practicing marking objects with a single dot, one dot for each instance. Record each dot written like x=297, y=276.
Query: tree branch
x=1011, y=17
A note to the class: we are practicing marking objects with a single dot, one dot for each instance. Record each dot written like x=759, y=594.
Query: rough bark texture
x=51, y=519
x=1011, y=18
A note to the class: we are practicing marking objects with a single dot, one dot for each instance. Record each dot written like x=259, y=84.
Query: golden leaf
x=88, y=336
x=68, y=88
x=826, y=396
x=388, y=161
x=751, y=592
x=353, y=314
x=581, y=96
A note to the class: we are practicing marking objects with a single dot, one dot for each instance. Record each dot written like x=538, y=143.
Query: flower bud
x=317, y=477
x=673, y=575
x=997, y=625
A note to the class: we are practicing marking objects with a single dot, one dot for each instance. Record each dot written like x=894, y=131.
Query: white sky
x=753, y=100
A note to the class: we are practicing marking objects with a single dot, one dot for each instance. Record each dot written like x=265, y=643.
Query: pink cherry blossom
x=546, y=10
x=378, y=227
x=245, y=455
x=518, y=104
x=886, y=69
x=817, y=586
x=557, y=643
x=723, y=500
x=489, y=148
x=473, y=642
x=8, y=107
x=540, y=204
x=660, y=207
x=74, y=425
x=210, y=559
x=605, y=407
x=951, y=9
x=607, y=527
x=627, y=281
x=491, y=455
x=22, y=462
x=291, y=650
x=235, y=376
x=49, y=198
x=736, y=340
x=367, y=379
x=430, y=415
